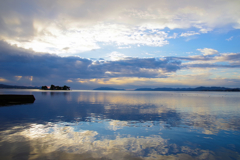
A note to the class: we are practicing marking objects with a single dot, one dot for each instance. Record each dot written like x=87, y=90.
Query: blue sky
x=122, y=44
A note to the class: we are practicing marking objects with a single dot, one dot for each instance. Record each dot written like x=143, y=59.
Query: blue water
x=121, y=125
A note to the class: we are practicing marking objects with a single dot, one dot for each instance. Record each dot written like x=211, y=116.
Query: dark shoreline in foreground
x=14, y=99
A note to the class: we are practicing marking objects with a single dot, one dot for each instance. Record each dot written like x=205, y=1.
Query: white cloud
x=208, y=51
x=229, y=39
x=124, y=47
x=85, y=39
x=115, y=56
x=189, y=33
x=50, y=26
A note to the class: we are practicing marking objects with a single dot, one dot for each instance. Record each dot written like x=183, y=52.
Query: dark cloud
x=225, y=60
x=16, y=19
x=229, y=57
x=21, y=62
x=136, y=67
x=211, y=66
x=191, y=58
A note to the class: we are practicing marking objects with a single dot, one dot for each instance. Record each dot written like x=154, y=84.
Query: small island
x=53, y=87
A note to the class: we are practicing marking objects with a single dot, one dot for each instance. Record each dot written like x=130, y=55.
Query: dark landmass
x=107, y=88
x=12, y=99
x=53, y=87
x=4, y=86
x=192, y=89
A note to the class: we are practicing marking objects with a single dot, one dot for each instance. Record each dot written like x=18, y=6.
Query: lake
x=119, y=125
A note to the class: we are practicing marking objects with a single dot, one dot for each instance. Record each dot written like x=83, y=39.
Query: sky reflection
x=129, y=125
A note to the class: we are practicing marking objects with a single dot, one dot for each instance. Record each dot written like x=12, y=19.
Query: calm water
x=121, y=125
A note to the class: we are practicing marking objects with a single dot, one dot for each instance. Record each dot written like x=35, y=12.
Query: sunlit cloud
x=31, y=78
x=74, y=27
x=18, y=77
x=114, y=56
x=69, y=81
x=208, y=51
x=3, y=80
x=86, y=39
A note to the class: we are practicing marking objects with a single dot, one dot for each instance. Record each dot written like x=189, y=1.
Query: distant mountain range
x=178, y=89
x=107, y=88
x=18, y=87
x=190, y=89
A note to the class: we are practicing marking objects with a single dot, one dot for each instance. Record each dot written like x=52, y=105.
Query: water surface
x=121, y=125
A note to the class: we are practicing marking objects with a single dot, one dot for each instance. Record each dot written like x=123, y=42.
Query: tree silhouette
x=44, y=87
x=53, y=87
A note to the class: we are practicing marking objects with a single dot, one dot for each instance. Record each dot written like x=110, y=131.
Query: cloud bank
x=18, y=64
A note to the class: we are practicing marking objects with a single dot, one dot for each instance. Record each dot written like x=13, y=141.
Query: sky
x=127, y=44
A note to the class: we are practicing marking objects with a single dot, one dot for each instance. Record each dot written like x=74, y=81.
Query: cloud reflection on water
x=42, y=141
x=195, y=109
x=58, y=140
x=126, y=125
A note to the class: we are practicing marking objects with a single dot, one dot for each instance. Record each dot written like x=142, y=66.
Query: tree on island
x=53, y=87
x=66, y=87
x=44, y=87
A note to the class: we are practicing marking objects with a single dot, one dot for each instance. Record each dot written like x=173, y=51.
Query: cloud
x=51, y=26
x=66, y=48
x=208, y=51
x=211, y=56
x=18, y=77
x=114, y=56
x=69, y=81
x=233, y=58
x=18, y=62
x=136, y=67
x=189, y=33
x=229, y=39
x=3, y=80
x=29, y=67
x=225, y=60
x=85, y=39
